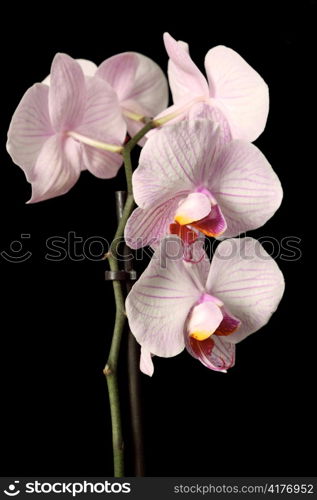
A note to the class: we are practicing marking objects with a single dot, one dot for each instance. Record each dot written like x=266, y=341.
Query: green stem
x=110, y=369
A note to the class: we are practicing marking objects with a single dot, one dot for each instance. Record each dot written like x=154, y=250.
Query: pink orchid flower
x=234, y=91
x=140, y=85
x=55, y=126
x=207, y=308
x=187, y=178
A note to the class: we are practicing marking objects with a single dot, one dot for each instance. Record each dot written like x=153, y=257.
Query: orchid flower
x=235, y=92
x=56, y=126
x=205, y=308
x=187, y=179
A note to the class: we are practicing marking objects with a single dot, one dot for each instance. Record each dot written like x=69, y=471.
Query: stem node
x=107, y=370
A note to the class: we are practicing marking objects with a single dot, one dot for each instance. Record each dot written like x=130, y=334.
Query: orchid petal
x=102, y=164
x=245, y=187
x=248, y=281
x=148, y=227
x=119, y=71
x=149, y=89
x=196, y=109
x=239, y=91
x=102, y=119
x=30, y=128
x=146, y=363
x=159, y=302
x=89, y=68
x=138, y=81
x=214, y=353
x=57, y=168
x=183, y=74
x=174, y=161
x=67, y=93
x=202, y=110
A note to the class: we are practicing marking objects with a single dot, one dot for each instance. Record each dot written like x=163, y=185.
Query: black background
x=57, y=316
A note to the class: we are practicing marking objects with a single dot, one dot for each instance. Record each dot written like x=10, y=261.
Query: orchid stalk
x=110, y=369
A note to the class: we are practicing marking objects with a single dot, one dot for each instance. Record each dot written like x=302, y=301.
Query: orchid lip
x=204, y=319
x=201, y=210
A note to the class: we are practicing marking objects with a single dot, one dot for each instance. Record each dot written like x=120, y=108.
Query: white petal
x=239, y=91
x=248, y=281
x=30, y=128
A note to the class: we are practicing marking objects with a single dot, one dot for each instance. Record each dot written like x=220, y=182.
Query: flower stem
x=134, y=116
x=113, y=148
x=135, y=406
x=134, y=382
x=110, y=369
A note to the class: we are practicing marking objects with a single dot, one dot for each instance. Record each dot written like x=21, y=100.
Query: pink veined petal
x=102, y=119
x=148, y=227
x=245, y=187
x=30, y=128
x=191, y=109
x=102, y=164
x=146, y=363
x=214, y=352
x=57, y=168
x=203, y=110
x=159, y=302
x=175, y=160
x=89, y=68
x=194, y=207
x=67, y=93
x=119, y=71
x=248, y=281
x=239, y=91
x=138, y=81
x=214, y=224
x=183, y=74
x=149, y=89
